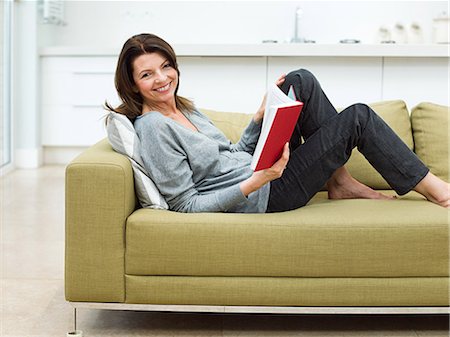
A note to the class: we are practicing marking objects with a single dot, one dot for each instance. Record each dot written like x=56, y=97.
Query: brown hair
x=134, y=47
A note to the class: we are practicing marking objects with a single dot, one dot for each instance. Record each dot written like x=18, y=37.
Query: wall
x=110, y=23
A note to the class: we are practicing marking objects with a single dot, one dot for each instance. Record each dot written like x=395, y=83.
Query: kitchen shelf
x=273, y=49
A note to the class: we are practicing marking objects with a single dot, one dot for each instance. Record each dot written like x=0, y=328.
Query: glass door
x=5, y=83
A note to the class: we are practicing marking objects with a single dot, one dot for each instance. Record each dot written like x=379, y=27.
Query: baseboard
x=4, y=170
x=61, y=155
x=28, y=158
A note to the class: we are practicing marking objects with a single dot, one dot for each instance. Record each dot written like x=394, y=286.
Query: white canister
x=441, y=27
x=399, y=34
x=416, y=34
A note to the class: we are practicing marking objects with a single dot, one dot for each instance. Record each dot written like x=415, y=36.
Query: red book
x=280, y=117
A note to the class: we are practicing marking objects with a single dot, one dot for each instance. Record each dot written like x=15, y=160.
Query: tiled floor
x=32, y=288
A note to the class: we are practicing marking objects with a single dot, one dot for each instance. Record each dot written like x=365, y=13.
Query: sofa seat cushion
x=408, y=237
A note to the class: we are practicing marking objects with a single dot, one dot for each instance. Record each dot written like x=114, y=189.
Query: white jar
x=415, y=34
x=399, y=34
x=441, y=27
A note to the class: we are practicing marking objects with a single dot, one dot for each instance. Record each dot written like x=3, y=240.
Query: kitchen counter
x=272, y=49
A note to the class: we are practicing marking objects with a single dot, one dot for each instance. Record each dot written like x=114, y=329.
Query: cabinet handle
x=86, y=105
x=93, y=73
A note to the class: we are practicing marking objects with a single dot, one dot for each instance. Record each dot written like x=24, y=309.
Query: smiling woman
x=197, y=169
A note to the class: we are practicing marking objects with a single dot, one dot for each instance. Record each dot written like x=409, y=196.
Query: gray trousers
x=329, y=140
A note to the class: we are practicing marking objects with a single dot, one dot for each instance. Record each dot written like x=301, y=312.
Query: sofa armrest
x=99, y=198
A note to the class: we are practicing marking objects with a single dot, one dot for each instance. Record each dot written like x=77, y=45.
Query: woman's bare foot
x=343, y=186
x=353, y=189
x=435, y=190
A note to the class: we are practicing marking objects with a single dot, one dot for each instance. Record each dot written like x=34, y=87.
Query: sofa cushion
x=431, y=128
x=328, y=238
x=123, y=139
x=232, y=124
x=396, y=115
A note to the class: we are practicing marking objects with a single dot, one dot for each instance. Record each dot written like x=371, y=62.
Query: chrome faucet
x=298, y=14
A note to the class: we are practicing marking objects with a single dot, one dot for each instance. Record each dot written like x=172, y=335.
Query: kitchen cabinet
x=234, y=84
x=76, y=82
x=417, y=80
x=344, y=80
x=73, y=90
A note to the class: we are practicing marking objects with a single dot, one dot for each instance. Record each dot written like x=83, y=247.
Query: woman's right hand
x=262, y=177
x=260, y=113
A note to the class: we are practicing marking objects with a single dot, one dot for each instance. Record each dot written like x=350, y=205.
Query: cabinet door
x=235, y=84
x=417, y=80
x=73, y=92
x=344, y=80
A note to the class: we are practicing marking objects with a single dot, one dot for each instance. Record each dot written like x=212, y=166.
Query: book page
x=276, y=97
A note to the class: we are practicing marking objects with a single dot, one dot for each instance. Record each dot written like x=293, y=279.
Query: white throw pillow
x=123, y=139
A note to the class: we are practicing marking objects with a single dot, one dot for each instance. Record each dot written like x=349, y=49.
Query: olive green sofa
x=328, y=254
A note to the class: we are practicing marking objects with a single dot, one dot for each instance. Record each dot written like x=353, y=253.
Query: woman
x=198, y=170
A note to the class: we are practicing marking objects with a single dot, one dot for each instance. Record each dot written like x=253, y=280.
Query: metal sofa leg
x=75, y=332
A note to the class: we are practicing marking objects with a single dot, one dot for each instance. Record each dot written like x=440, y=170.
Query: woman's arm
x=262, y=177
x=249, y=138
x=167, y=164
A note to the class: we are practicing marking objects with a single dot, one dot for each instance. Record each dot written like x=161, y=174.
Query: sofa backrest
x=431, y=129
x=232, y=124
x=396, y=115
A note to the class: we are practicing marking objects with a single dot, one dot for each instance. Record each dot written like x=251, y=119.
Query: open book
x=280, y=116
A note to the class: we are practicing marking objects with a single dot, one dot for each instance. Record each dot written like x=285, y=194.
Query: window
x=5, y=82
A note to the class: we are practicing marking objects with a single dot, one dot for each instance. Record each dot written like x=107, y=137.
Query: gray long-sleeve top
x=199, y=171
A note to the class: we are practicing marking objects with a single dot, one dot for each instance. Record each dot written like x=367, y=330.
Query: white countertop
x=273, y=49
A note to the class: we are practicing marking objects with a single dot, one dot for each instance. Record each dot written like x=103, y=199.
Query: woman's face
x=155, y=79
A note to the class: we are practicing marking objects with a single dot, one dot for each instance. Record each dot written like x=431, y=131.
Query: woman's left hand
x=280, y=80
x=260, y=113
